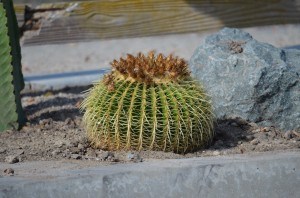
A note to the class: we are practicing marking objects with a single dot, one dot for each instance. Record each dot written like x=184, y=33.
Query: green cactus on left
x=11, y=78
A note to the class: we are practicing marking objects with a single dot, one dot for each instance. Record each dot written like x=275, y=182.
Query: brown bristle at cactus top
x=148, y=102
x=149, y=69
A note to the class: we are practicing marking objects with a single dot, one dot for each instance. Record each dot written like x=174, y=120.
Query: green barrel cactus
x=11, y=78
x=148, y=102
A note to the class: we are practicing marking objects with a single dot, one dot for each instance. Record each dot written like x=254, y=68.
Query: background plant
x=11, y=78
x=148, y=102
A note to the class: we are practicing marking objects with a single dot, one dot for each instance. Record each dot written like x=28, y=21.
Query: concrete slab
x=274, y=174
x=95, y=55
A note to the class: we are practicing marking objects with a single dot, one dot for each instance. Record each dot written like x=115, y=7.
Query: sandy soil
x=55, y=132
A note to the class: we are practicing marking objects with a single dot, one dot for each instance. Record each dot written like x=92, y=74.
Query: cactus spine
x=148, y=102
x=11, y=112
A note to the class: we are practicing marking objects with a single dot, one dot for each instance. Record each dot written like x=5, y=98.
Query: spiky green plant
x=148, y=102
x=11, y=78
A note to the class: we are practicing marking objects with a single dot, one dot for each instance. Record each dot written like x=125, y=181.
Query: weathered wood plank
x=87, y=20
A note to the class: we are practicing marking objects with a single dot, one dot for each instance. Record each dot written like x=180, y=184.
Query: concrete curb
x=258, y=175
x=62, y=80
x=69, y=79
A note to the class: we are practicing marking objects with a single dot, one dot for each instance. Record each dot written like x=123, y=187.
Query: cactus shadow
x=67, y=90
x=57, y=105
x=230, y=133
x=54, y=103
x=59, y=115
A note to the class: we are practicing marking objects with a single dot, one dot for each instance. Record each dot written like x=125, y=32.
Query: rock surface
x=249, y=79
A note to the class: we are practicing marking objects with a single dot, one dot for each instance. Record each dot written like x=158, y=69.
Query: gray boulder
x=249, y=79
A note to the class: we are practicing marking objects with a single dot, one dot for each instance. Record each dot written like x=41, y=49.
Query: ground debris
x=55, y=132
x=9, y=172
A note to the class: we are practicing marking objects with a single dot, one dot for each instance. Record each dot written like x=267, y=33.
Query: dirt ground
x=55, y=132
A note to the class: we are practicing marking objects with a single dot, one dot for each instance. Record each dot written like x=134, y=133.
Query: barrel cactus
x=148, y=102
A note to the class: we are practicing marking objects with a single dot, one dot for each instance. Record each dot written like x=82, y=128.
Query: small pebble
x=253, y=124
x=130, y=155
x=26, y=129
x=75, y=156
x=242, y=150
x=271, y=134
x=91, y=152
x=2, y=150
x=249, y=137
x=280, y=142
x=135, y=157
x=70, y=144
x=9, y=172
x=256, y=131
x=20, y=159
x=80, y=146
x=70, y=123
x=107, y=156
x=59, y=143
x=19, y=152
x=288, y=135
x=261, y=136
x=74, y=150
x=224, y=152
x=46, y=123
x=254, y=142
x=12, y=159
x=55, y=152
x=216, y=153
x=296, y=133
x=266, y=129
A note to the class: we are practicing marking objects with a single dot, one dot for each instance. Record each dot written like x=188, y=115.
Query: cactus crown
x=149, y=69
